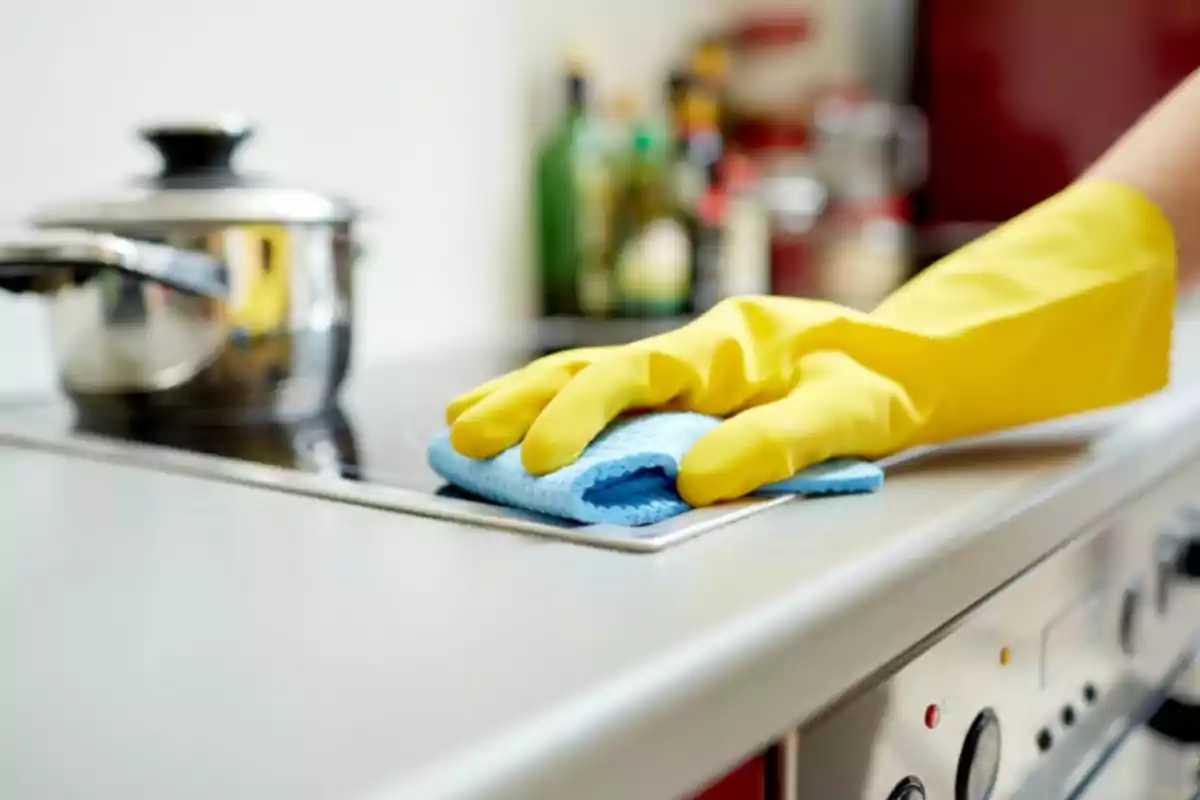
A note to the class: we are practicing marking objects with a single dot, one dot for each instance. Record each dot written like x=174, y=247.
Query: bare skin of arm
x=1160, y=156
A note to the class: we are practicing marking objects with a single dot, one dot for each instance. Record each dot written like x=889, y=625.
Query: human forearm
x=1160, y=157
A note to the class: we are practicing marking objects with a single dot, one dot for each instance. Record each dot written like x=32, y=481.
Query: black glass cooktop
x=378, y=434
x=386, y=416
x=375, y=440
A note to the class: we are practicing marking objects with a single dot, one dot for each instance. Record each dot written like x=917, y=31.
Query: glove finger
x=571, y=360
x=838, y=408
x=630, y=379
x=502, y=418
x=467, y=400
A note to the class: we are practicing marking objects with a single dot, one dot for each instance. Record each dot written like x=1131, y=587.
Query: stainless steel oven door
x=1141, y=746
x=1053, y=687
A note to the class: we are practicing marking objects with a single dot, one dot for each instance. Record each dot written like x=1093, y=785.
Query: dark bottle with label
x=652, y=259
x=678, y=86
x=708, y=249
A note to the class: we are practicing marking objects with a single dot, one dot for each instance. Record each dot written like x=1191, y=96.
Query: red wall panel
x=747, y=782
x=1021, y=95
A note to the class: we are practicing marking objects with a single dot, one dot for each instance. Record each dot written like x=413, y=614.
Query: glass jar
x=866, y=251
x=794, y=197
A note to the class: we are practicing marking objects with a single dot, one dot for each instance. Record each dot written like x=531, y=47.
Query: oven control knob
x=1180, y=552
x=979, y=761
x=910, y=788
x=1177, y=556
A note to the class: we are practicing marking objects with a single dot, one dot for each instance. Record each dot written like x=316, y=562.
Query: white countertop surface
x=170, y=637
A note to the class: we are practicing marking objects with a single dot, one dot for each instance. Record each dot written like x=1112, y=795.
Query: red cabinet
x=1021, y=95
x=747, y=782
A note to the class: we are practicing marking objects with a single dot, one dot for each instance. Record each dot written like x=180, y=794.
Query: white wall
x=423, y=112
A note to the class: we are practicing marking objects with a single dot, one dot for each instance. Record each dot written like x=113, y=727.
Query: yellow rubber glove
x=1064, y=309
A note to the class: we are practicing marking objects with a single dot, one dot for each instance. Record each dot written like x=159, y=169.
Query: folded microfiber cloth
x=627, y=475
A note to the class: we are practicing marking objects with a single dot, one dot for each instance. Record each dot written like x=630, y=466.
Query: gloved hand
x=1064, y=309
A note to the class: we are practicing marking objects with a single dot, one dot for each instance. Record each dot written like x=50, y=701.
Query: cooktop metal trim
x=644, y=539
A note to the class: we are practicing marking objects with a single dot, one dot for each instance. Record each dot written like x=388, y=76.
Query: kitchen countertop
x=171, y=637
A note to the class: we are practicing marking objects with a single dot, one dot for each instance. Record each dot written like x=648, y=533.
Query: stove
x=369, y=451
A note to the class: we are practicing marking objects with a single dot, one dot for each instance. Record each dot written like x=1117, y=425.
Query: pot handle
x=45, y=260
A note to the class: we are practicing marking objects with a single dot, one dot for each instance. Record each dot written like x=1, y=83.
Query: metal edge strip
x=651, y=538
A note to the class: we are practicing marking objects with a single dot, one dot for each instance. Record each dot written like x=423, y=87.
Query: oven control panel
x=1024, y=696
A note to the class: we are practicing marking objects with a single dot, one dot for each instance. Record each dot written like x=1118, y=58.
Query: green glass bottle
x=557, y=205
x=575, y=201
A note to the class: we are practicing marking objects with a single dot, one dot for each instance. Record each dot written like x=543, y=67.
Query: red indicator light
x=933, y=716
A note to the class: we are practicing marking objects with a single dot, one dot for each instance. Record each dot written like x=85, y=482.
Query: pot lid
x=198, y=183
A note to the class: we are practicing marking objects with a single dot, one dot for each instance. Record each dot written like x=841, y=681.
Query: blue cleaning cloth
x=627, y=475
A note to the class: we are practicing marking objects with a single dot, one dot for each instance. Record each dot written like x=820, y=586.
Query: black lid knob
x=202, y=148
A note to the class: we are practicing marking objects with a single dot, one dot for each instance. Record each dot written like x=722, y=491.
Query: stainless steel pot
x=201, y=294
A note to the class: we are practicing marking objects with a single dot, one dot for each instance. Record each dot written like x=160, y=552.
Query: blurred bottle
x=678, y=85
x=696, y=174
x=745, y=267
x=795, y=198
x=702, y=110
x=872, y=155
x=688, y=177
x=703, y=142
x=608, y=162
x=652, y=265
x=734, y=236
x=707, y=248
x=574, y=195
x=710, y=67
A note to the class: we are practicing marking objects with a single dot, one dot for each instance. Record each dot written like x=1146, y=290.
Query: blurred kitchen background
x=604, y=160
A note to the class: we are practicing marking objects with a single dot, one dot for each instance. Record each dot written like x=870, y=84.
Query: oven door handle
x=1179, y=560
x=1187, y=560
x=1177, y=720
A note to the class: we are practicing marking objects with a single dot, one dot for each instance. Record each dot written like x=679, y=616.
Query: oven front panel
x=1046, y=685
